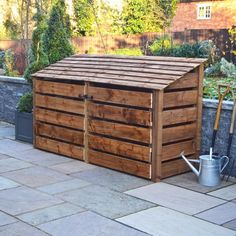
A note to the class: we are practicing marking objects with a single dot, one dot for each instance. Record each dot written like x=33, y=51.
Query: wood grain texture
x=120, y=148
x=58, y=103
x=132, y=98
x=63, y=89
x=173, y=151
x=122, y=114
x=59, y=118
x=117, y=163
x=59, y=147
x=177, y=116
x=178, y=99
x=120, y=130
x=63, y=134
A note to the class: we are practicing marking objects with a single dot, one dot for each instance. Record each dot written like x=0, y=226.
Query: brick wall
x=223, y=16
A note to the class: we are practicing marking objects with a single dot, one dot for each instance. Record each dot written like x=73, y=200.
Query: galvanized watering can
x=209, y=168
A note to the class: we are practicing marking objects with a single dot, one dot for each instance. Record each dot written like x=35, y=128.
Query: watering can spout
x=188, y=161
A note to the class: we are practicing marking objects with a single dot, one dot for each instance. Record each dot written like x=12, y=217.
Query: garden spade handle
x=221, y=98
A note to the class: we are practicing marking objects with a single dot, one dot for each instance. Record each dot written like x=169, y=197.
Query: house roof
x=145, y=71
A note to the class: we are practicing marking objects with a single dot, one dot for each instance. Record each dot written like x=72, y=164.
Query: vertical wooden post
x=34, y=123
x=85, y=152
x=157, y=135
x=199, y=109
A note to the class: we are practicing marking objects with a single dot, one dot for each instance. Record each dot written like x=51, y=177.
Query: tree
x=56, y=39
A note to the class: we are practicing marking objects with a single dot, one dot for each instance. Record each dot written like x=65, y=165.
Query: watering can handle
x=227, y=161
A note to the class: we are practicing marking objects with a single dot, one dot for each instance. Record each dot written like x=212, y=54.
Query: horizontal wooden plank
x=176, y=116
x=120, y=148
x=59, y=147
x=177, y=133
x=189, y=80
x=125, y=97
x=174, y=167
x=63, y=134
x=58, y=103
x=122, y=114
x=177, y=99
x=55, y=88
x=118, y=163
x=59, y=118
x=173, y=150
x=120, y=130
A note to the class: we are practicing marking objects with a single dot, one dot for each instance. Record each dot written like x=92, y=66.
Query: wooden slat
x=189, y=80
x=59, y=118
x=173, y=150
x=174, y=167
x=177, y=133
x=64, y=89
x=120, y=148
x=125, y=165
x=63, y=134
x=122, y=114
x=183, y=98
x=132, y=98
x=120, y=130
x=176, y=116
x=59, y=147
x=58, y=103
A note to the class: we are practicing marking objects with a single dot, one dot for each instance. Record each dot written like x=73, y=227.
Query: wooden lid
x=145, y=71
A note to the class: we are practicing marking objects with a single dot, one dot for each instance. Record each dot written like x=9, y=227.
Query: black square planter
x=24, y=126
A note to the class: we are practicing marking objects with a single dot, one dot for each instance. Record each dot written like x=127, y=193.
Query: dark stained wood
x=122, y=114
x=59, y=118
x=120, y=130
x=59, y=147
x=120, y=148
x=183, y=98
x=176, y=116
x=132, y=98
x=86, y=102
x=63, y=134
x=118, y=163
x=58, y=103
x=63, y=89
x=173, y=150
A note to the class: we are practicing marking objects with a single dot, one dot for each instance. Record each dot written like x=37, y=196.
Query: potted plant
x=24, y=119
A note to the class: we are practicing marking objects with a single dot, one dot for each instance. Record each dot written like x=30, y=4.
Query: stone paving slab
x=72, y=167
x=6, y=219
x=112, y=179
x=160, y=221
x=220, y=214
x=227, y=193
x=2, y=156
x=50, y=213
x=11, y=164
x=7, y=132
x=36, y=176
x=20, y=229
x=105, y=201
x=88, y=224
x=63, y=186
x=190, y=181
x=7, y=183
x=22, y=199
x=231, y=225
x=176, y=198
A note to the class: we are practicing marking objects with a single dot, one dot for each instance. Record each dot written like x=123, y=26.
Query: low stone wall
x=11, y=89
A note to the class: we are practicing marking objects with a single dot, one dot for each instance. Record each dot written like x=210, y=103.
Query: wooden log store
x=131, y=114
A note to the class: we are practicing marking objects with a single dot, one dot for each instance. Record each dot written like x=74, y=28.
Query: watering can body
x=209, y=169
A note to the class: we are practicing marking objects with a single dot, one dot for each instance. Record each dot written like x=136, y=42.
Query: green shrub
x=227, y=68
x=26, y=103
x=127, y=52
x=161, y=43
x=9, y=63
x=213, y=70
x=2, y=53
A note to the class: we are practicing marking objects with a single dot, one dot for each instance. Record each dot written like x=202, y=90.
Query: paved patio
x=46, y=194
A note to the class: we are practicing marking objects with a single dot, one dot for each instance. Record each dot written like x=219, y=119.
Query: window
x=204, y=11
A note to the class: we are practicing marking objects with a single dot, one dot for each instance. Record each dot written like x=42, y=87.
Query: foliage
x=12, y=28
x=127, y=52
x=9, y=63
x=232, y=34
x=2, y=54
x=227, y=68
x=56, y=41
x=160, y=43
x=213, y=70
x=26, y=103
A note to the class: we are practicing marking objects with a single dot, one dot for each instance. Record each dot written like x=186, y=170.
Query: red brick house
x=200, y=14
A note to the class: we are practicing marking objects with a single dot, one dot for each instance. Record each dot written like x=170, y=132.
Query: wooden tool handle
x=231, y=130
